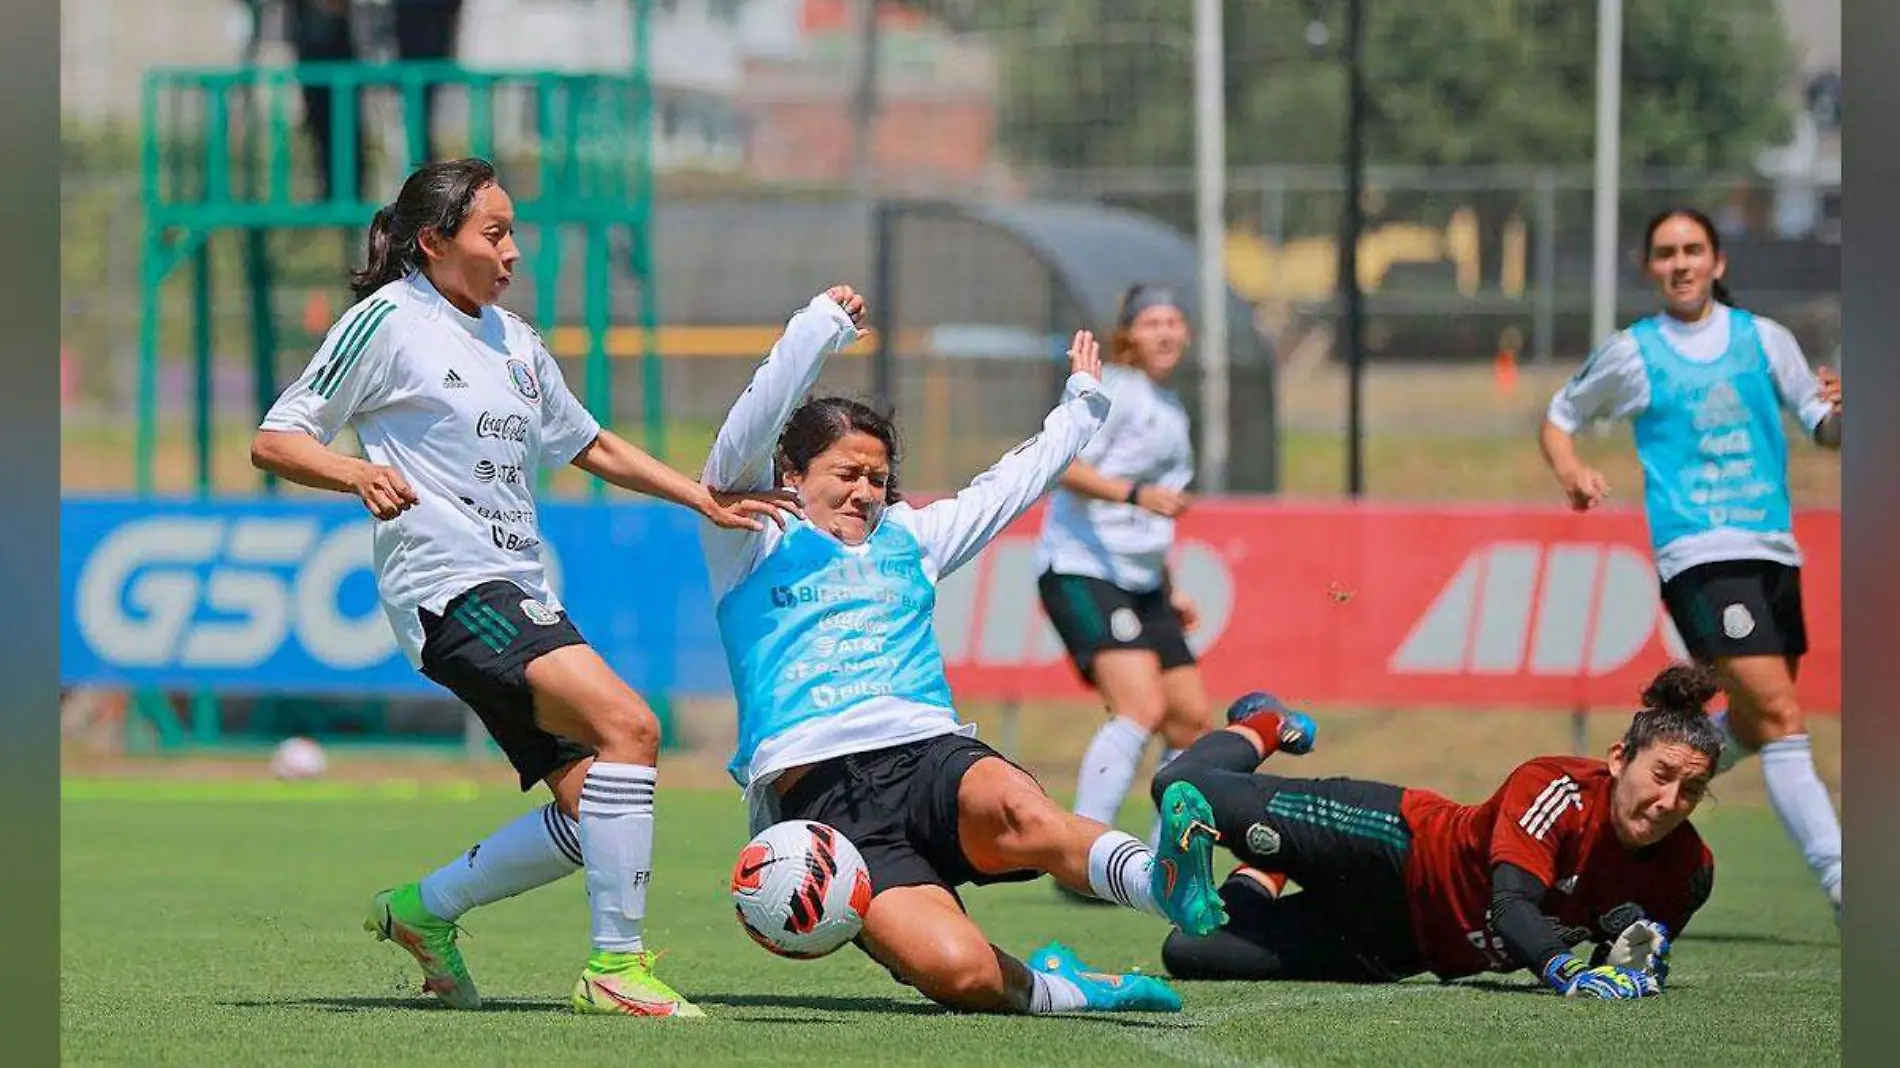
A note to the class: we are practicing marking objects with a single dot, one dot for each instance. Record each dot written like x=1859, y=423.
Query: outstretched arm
x=953, y=531
x=1811, y=397
x=741, y=457
x=1610, y=384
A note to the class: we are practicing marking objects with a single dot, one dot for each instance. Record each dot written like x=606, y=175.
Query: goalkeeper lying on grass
x=1394, y=882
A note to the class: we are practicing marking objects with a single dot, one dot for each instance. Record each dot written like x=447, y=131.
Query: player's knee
x=1134, y=695
x=1189, y=706
x=1185, y=956
x=1765, y=719
x=1032, y=821
x=626, y=724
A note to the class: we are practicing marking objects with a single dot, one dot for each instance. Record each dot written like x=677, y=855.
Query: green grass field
x=219, y=923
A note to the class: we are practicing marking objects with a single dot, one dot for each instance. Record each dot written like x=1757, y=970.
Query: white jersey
x=941, y=537
x=1146, y=438
x=466, y=409
x=1614, y=384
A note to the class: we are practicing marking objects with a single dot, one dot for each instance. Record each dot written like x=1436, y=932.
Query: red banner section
x=1389, y=607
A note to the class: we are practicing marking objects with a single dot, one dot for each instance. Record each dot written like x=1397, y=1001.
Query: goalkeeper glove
x=1644, y=946
x=1570, y=976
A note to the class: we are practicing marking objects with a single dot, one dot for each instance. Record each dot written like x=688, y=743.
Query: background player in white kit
x=1104, y=557
x=846, y=717
x=456, y=403
x=1704, y=385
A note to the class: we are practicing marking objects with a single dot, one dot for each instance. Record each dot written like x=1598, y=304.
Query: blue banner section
x=255, y=595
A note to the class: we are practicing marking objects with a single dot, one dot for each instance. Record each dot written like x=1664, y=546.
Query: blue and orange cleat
x=1295, y=733
x=1129, y=992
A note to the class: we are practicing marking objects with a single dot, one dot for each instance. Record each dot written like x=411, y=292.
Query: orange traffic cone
x=1504, y=371
x=316, y=314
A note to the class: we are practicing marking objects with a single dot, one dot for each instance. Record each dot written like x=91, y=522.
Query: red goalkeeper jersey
x=1551, y=817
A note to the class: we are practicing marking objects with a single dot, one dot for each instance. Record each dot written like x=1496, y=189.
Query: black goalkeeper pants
x=1342, y=840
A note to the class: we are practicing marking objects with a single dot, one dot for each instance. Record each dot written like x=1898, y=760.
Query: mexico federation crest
x=1737, y=621
x=524, y=379
x=539, y=613
x=1263, y=840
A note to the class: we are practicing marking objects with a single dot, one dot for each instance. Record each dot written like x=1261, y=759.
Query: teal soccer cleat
x=1130, y=992
x=1183, y=880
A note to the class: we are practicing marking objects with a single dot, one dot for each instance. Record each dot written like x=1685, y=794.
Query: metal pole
x=1608, y=160
x=1352, y=302
x=883, y=307
x=1210, y=165
x=1544, y=325
x=864, y=102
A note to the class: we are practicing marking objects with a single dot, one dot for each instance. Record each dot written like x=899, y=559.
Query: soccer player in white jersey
x=456, y=402
x=845, y=715
x=1704, y=384
x=1104, y=558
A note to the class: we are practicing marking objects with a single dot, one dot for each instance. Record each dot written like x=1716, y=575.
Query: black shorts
x=1092, y=615
x=1738, y=608
x=479, y=650
x=899, y=807
x=1345, y=842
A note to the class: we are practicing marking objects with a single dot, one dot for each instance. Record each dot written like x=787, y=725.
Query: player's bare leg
x=530, y=851
x=578, y=696
x=1765, y=717
x=927, y=941
x=1006, y=823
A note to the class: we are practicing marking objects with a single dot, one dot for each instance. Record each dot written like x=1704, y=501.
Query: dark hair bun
x=1681, y=687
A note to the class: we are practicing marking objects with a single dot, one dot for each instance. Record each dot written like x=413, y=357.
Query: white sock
x=1801, y=801
x=1052, y=993
x=532, y=850
x=617, y=847
x=1732, y=750
x=1119, y=870
x=1108, y=769
x=1154, y=833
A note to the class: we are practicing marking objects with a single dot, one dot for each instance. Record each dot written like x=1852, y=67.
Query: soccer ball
x=298, y=758
x=801, y=889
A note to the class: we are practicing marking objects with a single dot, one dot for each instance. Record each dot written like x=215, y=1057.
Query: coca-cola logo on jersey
x=502, y=427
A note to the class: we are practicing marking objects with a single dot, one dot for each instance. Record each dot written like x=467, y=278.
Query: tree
x=1453, y=83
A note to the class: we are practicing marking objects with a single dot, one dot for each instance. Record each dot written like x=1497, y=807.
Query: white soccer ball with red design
x=801, y=889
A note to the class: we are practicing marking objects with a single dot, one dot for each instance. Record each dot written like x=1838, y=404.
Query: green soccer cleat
x=399, y=916
x=1131, y=992
x=623, y=984
x=1183, y=880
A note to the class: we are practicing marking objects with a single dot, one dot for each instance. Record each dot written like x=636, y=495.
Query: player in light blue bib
x=845, y=715
x=1705, y=385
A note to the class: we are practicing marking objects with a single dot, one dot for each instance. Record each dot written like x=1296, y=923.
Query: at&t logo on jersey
x=490, y=471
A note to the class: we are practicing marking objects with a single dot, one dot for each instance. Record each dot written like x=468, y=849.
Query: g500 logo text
x=226, y=592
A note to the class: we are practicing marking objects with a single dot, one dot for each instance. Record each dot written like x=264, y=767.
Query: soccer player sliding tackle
x=1394, y=881
x=846, y=718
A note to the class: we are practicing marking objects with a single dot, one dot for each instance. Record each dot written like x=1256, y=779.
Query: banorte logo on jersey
x=228, y=593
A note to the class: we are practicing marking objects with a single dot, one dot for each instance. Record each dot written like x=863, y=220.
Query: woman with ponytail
x=1704, y=385
x=1578, y=870
x=456, y=403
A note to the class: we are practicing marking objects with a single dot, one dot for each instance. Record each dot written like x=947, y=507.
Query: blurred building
x=1807, y=170
x=760, y=87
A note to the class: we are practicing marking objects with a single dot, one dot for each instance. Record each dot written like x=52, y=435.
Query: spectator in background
x=326, y=30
